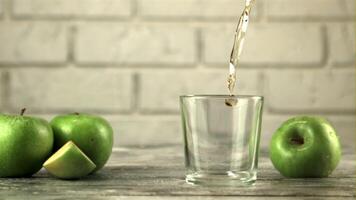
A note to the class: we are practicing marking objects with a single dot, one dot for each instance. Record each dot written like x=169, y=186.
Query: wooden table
x=157, y=172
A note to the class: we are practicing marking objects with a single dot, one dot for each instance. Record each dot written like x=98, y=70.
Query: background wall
x=128, y=60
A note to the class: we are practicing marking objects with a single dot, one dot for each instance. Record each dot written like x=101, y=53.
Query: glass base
x=243, y=178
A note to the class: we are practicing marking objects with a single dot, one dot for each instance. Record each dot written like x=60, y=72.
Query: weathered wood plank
x=183, y=198
x=159, y=171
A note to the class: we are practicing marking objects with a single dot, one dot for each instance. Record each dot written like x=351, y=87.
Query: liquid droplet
x=231, y=102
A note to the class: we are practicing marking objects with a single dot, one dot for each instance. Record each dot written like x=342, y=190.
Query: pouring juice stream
x=237, y=49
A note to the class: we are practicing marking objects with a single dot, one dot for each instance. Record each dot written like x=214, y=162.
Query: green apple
x=25, y=143
x=92, y=134
x=69, y=162
x=305, y=147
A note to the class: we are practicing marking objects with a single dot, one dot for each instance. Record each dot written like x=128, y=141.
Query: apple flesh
x=25, y=143
x=92, y=134
x=69, y=162
x=305, y=147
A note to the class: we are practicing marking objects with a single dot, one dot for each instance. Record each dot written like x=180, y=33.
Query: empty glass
x=221, y=138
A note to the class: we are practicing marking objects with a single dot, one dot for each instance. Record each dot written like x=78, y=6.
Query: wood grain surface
x=157, y=172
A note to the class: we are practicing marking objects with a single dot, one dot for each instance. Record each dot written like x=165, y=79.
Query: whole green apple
x=92, y=134
x=25, y=143
x=305, y=147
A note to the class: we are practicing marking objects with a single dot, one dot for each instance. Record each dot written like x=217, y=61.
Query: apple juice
x=237, y=49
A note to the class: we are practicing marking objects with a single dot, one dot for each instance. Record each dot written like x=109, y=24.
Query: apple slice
x=69, y=162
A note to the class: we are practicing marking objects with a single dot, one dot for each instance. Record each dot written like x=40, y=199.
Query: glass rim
x=222, y=96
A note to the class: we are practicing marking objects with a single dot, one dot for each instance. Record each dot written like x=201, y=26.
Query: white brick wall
x=191, y=9
x=94, y=90
x=72, y=8
x=129, y=60
x=342, y=44
x=125, y=44
x=160, y=90
x=26, y=42
x=146, y=130
x=1, y=9
x=281, y=9
x=324, y=90
x=2, y=90
x=291, y=44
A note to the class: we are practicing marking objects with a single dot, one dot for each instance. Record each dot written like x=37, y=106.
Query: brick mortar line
x=5, y=90
x=121, y=18
x=281, y=65
x=261, y=12
x=325, y=60
x=173, y=20
x=135, y=92
x=199, y=45
x=311, y=19
x=2, y=10
x=160, y=66
x=261, y=84
x=171, y=112
x=147, y=65
x=6, y=10
x=71, y=34
x=265, y=91
x=177, y=19
x=344, y=66
x=346, y=117
x=2, y=91
x=134, y=8
x=67, y=66
x=194, y=68
x=171, y=117
x=162, y=117
x=260, y=70
x=327, y=43
x=51, y=111
x=135, y=13
x=36, y=64
x=71, y=18
x=340, y=112
x=267, y=109
x=175, y=117
x=182, y=67
x=190, y=24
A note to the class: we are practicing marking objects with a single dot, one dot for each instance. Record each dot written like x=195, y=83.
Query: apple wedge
x=69, y=162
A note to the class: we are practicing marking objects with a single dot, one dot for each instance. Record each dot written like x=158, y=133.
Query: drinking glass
x=221, y=138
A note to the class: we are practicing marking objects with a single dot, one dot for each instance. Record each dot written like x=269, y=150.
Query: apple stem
x=297, y=141
x=23, y=110
x=76, y=113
